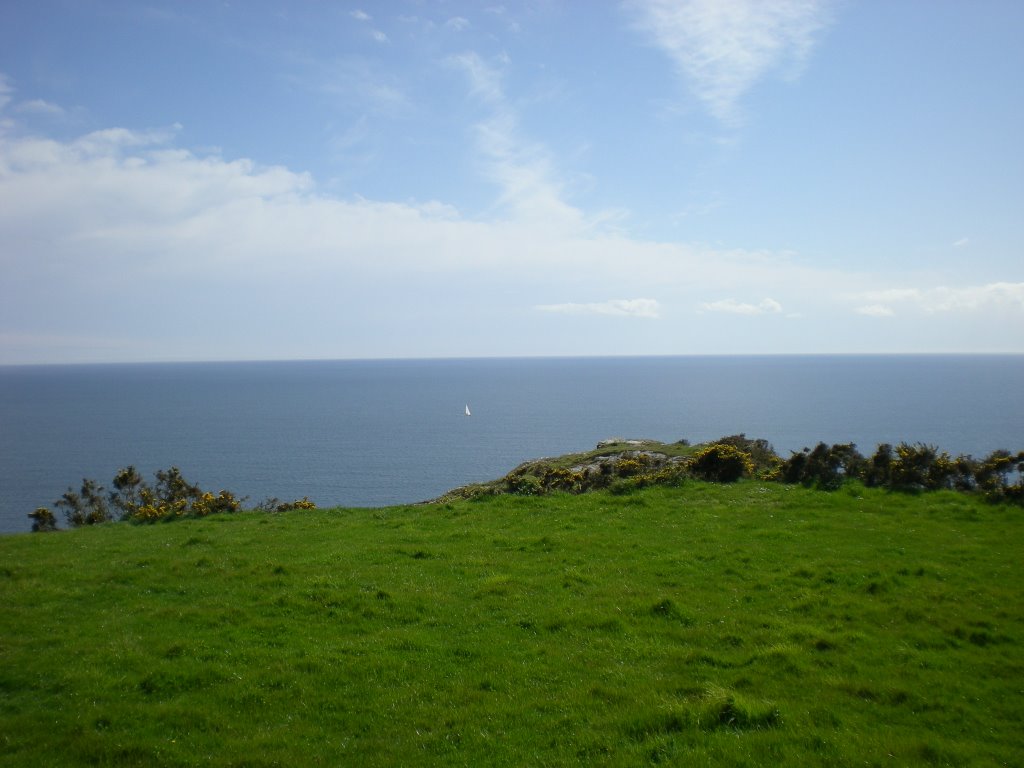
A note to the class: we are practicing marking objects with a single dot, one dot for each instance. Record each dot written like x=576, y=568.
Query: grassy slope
x=707, y=625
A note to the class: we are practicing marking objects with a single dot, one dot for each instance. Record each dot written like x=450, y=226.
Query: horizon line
x=452, y=358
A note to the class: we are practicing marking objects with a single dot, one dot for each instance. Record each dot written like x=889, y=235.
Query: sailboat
x=467, y=411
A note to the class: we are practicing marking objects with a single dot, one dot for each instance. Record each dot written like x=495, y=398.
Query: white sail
x=467, y=411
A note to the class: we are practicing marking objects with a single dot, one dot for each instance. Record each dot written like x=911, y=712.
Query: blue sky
x=279, y=180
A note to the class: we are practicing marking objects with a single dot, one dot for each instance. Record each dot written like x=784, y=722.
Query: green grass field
x=752, y=624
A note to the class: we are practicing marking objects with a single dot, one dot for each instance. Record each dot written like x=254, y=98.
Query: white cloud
x=723, y=47
x=131, y=199
x=40, y=107
x=967, y=298
x=732, y=306
x=484, y=80
x=970, y=298
x=648, y=308
x=887, y=295
x=379, y=36
x=961, y=242
x=140, y=249
x=457, y=23
x=360, y=15
x=522, y=169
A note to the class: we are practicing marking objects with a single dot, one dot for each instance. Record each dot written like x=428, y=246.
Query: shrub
x=919, y=467
x=670, y=475
x=303, y=503
x=87, y=507
x=992, y=476
x=629, y=467
x=128, y=485
x=524, y=485
x=964, y=470
x=879, y=467
x=824, y=467
x=170, y=497
x=43, y=520
x=172, y=488
x=792, y=470
x=721, y=463
x=208, y=504
x=761, y=452
x=560, y=479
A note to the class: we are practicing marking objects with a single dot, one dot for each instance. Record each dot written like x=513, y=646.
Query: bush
x=43, y=520
x=629, y=467
x=208, y=504
x=879, y=467
x=824, y=467
x=992, y=476
x=87, y=507
x=303, y=503
x=792, y=470
x=171, y=496
x=128, y=485
x=672, y=475
x=721, y=463
x=760, y=451
x=524, y=485
x=560, y=479
x=920, y=467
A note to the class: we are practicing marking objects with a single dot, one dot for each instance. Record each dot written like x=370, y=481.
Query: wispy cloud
x=364, y=17
x=484, y=78
x=961, y=242
x=40, y=107
x=969, y=298
x=94, y=218
x=359, y=82
x=521, y=168
x=875, y=310
x=648, y=308
x=721, y=48
x=457, y=23
x=732, y=306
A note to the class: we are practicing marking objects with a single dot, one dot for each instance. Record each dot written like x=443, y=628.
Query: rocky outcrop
x=615, y=460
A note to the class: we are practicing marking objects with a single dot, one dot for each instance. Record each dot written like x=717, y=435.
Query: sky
x=336, y=179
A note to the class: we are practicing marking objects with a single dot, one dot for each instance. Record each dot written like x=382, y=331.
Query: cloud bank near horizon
x=125, y=242
x=126, y=219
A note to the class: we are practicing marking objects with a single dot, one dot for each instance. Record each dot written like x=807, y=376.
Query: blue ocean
x=373, y=433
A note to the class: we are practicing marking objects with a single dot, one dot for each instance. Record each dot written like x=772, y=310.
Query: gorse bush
x=43, y=520
x=761, y=453
x=824, y=467
x=86, y=507
x=303, y=503
x=721, y=463
x=171, y=496
x=992, y=476
x=908, y=468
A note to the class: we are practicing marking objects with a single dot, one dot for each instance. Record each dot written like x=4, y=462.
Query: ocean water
x=373, y=433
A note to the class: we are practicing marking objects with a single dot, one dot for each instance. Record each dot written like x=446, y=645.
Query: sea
x=370, y=433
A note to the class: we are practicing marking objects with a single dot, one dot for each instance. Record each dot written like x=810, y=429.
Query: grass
x=752, y=624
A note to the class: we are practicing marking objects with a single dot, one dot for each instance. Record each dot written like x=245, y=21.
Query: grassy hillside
x=751, y=624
